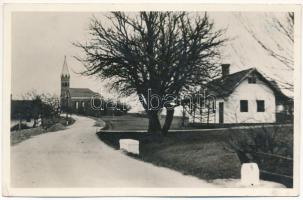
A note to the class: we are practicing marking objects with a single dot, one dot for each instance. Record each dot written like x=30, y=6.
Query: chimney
x=225, y=69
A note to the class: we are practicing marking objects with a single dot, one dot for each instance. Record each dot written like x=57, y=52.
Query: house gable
x=252, y=89
x=223, y=87
x=243, y=97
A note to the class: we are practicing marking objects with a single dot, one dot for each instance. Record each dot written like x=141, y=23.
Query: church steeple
x=65, y=77
x=65, y=72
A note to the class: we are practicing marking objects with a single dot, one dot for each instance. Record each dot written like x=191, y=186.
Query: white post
x=250, y=174
x=129, y=145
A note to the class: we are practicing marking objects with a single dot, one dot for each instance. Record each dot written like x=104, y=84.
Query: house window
x=77, y=104
x=243, y=106
x=260, y=106
x=252, y=79
x=83, y=104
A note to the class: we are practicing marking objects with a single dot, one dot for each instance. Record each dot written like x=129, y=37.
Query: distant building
x=22, y=109
x=75, y=100
x=247, y=97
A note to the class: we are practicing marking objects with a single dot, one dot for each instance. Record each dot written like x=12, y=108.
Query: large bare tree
x=153, y=54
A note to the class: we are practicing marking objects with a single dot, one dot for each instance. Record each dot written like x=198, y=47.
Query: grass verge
x=204, y=154
x=24, y=134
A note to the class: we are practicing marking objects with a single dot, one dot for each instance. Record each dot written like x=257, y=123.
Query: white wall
x=250, y=92
x=232, y=114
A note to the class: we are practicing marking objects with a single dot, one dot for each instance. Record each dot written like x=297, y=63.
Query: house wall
x=250, y=92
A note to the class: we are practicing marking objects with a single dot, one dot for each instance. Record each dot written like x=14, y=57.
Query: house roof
x=224, y=86
x=81, y=92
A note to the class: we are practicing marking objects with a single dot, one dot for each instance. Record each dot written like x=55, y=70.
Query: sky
x=40, y=40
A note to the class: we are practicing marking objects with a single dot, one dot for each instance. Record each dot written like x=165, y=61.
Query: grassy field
x=205, y=154
x=132, y=122
x=206, y=158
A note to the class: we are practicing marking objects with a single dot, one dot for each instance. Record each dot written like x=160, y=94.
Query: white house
x=244, y=97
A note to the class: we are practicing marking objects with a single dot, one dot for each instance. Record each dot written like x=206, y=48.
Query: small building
x=22, y=109
x=75, y=100
x=247, y=97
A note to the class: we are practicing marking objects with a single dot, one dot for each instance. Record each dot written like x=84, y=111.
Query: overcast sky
x=40, y=40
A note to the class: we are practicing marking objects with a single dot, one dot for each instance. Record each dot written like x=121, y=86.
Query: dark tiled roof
x=81, y=92
x=21, y=103
x=224, y=86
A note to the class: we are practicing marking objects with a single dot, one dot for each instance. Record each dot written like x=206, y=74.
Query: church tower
x=65, y=77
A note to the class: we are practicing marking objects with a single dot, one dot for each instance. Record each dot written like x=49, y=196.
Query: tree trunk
x=154, y=125
x=168, y=120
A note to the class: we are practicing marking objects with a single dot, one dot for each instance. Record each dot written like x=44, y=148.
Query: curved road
x=75, y=157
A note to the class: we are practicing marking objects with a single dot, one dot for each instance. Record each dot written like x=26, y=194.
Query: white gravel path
x=75, y=157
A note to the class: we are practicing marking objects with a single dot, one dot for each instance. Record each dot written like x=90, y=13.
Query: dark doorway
x=221, y=112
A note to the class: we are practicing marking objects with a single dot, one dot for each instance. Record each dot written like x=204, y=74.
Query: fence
x=275, y=168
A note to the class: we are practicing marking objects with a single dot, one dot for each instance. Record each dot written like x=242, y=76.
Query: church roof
x=65, y=71
x=81, y=93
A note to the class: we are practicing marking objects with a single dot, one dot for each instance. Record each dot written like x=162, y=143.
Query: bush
x=276, y=139
x=270, y=147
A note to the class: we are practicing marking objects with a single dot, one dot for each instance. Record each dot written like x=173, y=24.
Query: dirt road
x=75, y=157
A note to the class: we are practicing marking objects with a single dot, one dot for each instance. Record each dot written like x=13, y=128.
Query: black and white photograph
x=151, y=100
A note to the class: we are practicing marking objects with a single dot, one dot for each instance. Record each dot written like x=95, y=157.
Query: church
x=75, y=100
